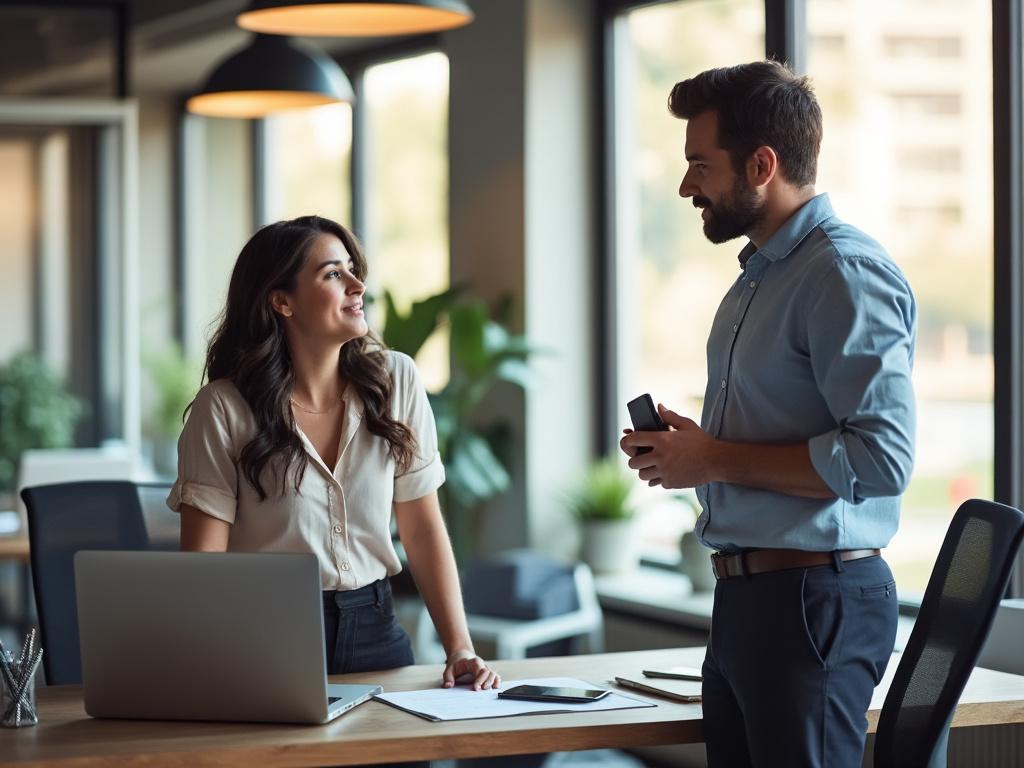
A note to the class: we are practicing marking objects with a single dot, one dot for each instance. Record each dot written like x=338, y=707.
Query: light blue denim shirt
x=814, y=342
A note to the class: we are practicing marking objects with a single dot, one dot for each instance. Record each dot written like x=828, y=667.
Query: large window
x=400, y=209
x=308, y=156
x=406, y=189
x=669, y=278
x=907, y=156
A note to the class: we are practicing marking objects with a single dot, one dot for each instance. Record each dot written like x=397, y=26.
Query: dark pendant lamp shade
x=353, y=19
x=271, y=74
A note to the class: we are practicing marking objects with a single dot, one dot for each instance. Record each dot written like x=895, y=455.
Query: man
x=806, y=438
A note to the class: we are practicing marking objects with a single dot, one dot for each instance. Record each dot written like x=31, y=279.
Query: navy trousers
x=792, y=662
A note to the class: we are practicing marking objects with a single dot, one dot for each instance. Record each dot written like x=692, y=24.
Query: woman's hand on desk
x=466, y=667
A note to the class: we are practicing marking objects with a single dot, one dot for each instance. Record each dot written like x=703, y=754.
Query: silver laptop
x=206, y=636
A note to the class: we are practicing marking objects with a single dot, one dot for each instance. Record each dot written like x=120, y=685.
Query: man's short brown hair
x=758, y=104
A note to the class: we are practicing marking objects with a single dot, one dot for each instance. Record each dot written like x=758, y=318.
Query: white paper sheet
x=463, y=703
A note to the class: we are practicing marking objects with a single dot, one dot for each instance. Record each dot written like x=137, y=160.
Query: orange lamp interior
x=351, y=19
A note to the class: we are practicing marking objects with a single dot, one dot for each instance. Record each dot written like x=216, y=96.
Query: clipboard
x=686, y=691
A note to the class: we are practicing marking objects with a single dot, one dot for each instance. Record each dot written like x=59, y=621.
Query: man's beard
x=735, y=216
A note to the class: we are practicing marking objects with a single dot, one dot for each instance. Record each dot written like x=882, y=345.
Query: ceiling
x=70, y=50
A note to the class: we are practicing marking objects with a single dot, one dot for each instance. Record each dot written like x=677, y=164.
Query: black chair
x=63, y=519
x=964, y=590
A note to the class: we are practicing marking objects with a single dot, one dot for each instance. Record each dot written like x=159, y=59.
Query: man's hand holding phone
x=677, y=454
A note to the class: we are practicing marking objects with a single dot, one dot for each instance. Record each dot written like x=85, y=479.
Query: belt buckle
x=716, y=558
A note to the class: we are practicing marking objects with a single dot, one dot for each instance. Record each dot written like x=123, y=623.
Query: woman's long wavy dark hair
x=250, y=349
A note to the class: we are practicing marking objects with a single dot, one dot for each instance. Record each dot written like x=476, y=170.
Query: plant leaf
x=604, y=492
x=515, y=371
x=474, y=473
x=469, y=348
x=407, y=333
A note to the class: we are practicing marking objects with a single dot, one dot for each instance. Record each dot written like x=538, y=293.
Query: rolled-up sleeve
x=425, y=472
x=207, y=474
x=861, y=331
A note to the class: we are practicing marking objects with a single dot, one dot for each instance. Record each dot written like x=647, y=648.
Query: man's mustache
x=701, y=202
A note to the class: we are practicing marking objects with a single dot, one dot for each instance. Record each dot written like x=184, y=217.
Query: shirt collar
x=791, y=234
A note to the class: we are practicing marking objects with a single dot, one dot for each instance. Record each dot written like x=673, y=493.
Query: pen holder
x=17, y=684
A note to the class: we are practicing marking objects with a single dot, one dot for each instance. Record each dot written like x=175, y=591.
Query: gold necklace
x=310, y=410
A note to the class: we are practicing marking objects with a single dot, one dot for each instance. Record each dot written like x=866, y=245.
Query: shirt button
x=753, y=283
x=337, y=529
x=735, y=328
x=723, y=383
x=345, y=566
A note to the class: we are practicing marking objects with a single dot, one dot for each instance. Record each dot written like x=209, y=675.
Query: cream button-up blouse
x=341, y=514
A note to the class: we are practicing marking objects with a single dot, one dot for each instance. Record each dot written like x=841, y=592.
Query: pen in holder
x=17, y=688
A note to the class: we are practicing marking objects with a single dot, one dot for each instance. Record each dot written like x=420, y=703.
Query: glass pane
x=309, y=153
x=407, y=190
x=217, y=156
x=17, y=184
x=899, y=97
x=661, y=250
x=58, y=185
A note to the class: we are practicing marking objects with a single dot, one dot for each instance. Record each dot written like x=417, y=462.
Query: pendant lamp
x=366, y=18
x=271, y=74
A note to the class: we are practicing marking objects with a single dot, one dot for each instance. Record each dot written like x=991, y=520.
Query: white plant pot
x=608, y=545
x=696, y=562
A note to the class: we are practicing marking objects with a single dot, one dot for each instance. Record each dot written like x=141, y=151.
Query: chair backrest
x=964, y=590
x=63, y=519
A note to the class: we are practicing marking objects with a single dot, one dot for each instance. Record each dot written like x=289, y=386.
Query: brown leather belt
x=756, y=561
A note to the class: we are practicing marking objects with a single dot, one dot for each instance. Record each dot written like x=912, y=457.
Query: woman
x=307, y=435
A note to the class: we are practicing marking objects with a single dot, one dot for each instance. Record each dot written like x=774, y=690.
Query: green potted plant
x=602, y=502
x=483, y=354
x=35, y=412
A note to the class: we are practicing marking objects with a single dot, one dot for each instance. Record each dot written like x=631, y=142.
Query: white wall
x=522, y=194
x=561, y=260
x=487, y=212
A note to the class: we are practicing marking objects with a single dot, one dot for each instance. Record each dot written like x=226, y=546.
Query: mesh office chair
x=63, y=519
x=959, y=604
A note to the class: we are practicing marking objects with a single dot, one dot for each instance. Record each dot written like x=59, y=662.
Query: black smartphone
x=551, y=693
x=645, y=418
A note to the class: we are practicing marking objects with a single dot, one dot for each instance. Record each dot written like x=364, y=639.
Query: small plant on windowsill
x=695, y=558
x=602, y=502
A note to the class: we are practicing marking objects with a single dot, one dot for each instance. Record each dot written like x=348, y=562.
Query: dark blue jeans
x=361, y=633
x=793, y=659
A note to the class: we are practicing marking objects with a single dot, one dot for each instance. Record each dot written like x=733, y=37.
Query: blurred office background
x=529, y=158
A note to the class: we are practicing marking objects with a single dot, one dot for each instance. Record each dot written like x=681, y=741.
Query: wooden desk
x=14, y=547
x=375, y=732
